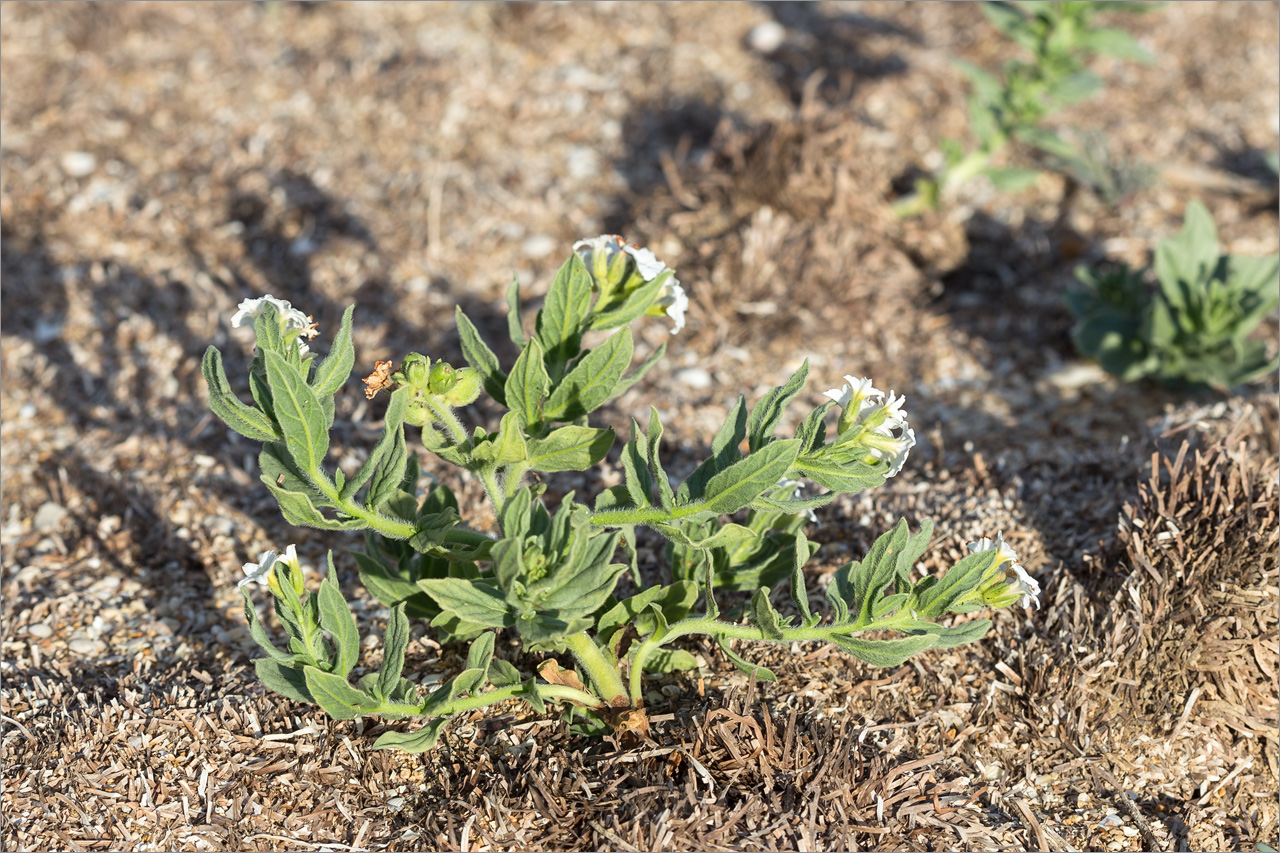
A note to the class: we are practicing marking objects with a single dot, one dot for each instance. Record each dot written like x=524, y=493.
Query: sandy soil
x=161, y=162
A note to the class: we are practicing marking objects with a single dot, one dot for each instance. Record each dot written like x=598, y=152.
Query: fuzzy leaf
x=336, y=618
x=570, y=448
x=289, y=681
x=527, y=385
x=479, y=356
x=250, y=422
x=413, y=742
x=298, y=410
x=336, y=696
x=333, y=371
x=592, y=380
x=394, y=643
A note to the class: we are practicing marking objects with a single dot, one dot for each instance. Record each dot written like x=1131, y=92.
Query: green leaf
x=885, y=653
x=670, y=660
x=259, y=633
x=527, y=385
x=635, y=468
x=767, y=413
x=299, y=413
x=799, y=593
x=266, y=329
x=509, y=446
x=630, y=309
x=1112, y=41
x=333, y=371
x=394, y=643
x=389, y=449
x=250, y=422
x=1190, y=256
x=478, y=602
x=336, y=618
x=636, y=375
x=1012, y=180
x=502, y=673
x=479, y=356
x=413, y=742
x=592, y=380
x=666, y=496
x=514, y=330
x=846, y=477
x=336, y=696
x=936, y=599
x=764, y=616
x=741, y=483
x=570, y=448
x=727, y=536
x=760, y=672
x=958, y=635
x=298, y=509
x=392, y=589
x=480, y=655
x=286, y=680
x=560, y=320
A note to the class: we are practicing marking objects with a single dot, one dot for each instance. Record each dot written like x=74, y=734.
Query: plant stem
x=489, y=478
x=552, y=692
x=716, y=628
x=444, y=416
x=602, y=671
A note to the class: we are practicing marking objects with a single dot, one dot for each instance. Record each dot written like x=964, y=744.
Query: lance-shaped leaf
x=629, y=309
x=284, y=679
x=413, y=742
x=259, y=633
x=479, y=356
x=336, y=619
x=724, y=452
x=799, y=593
x=250, y=422
x=936, y=599
x=666, y=496
x=764, y=616
x=635, y=467
x=527, y=385
x=636, y=375
x=570, y=448
x=957, y=635
x=560, y=320
x=514, y=330
x=475, y=601
x=885, y=653
x=389, y=449
x=299, y=413
x=394, y=643
x=847, y=477
x=502, y=673
x=336, y=696
x=592, y=379
x=298, y=509
x=741, y=483
x=767, y=413
x=392, y=588
x=333, y=371
x=760, y=672
x=727, y=536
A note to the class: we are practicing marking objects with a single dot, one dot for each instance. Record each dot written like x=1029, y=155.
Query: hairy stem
x=602, y=671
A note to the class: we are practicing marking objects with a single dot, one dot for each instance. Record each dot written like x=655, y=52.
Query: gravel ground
x=161, y=162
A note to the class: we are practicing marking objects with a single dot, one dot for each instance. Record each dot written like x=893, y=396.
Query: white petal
x=648, y=266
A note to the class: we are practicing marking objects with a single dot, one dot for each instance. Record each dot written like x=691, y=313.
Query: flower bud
x=466, y=387
x=441, y=378
x=415, y=371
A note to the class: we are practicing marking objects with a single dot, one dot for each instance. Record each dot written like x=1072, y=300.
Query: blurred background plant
x=1193, y=328
x=1013, y=105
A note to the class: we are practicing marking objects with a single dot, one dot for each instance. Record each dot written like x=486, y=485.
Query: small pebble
x=49, y=517
x=27, y=411
x=693, y=377
x=78, y=164
x=40, y=630
x=83, y=645
x=538, y=246
x=767, y=37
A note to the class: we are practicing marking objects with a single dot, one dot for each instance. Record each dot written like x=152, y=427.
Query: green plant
x=1014, y=104
x=551, y=577
x=1193, y=327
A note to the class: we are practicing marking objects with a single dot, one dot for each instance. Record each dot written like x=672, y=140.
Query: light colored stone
x=767, y=37
x=40, y=630
x=49, y=517
x=78, y=164
x=693, y=377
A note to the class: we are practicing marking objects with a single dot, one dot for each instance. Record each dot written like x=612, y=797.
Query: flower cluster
x=269, y=562
x=291, y=319
x=605, y=257
x=869, y=420
x=1006, y=581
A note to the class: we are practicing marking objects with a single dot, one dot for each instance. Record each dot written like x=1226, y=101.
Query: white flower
x=1006, y=554
x=674, y=302
x=1019, y=581
x=1024, y=585
x=647, y=265
x=855, y=389
x=895, y=450
x=290, y=317
x=895, y=418
x=606, y=245
x=260, y=572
